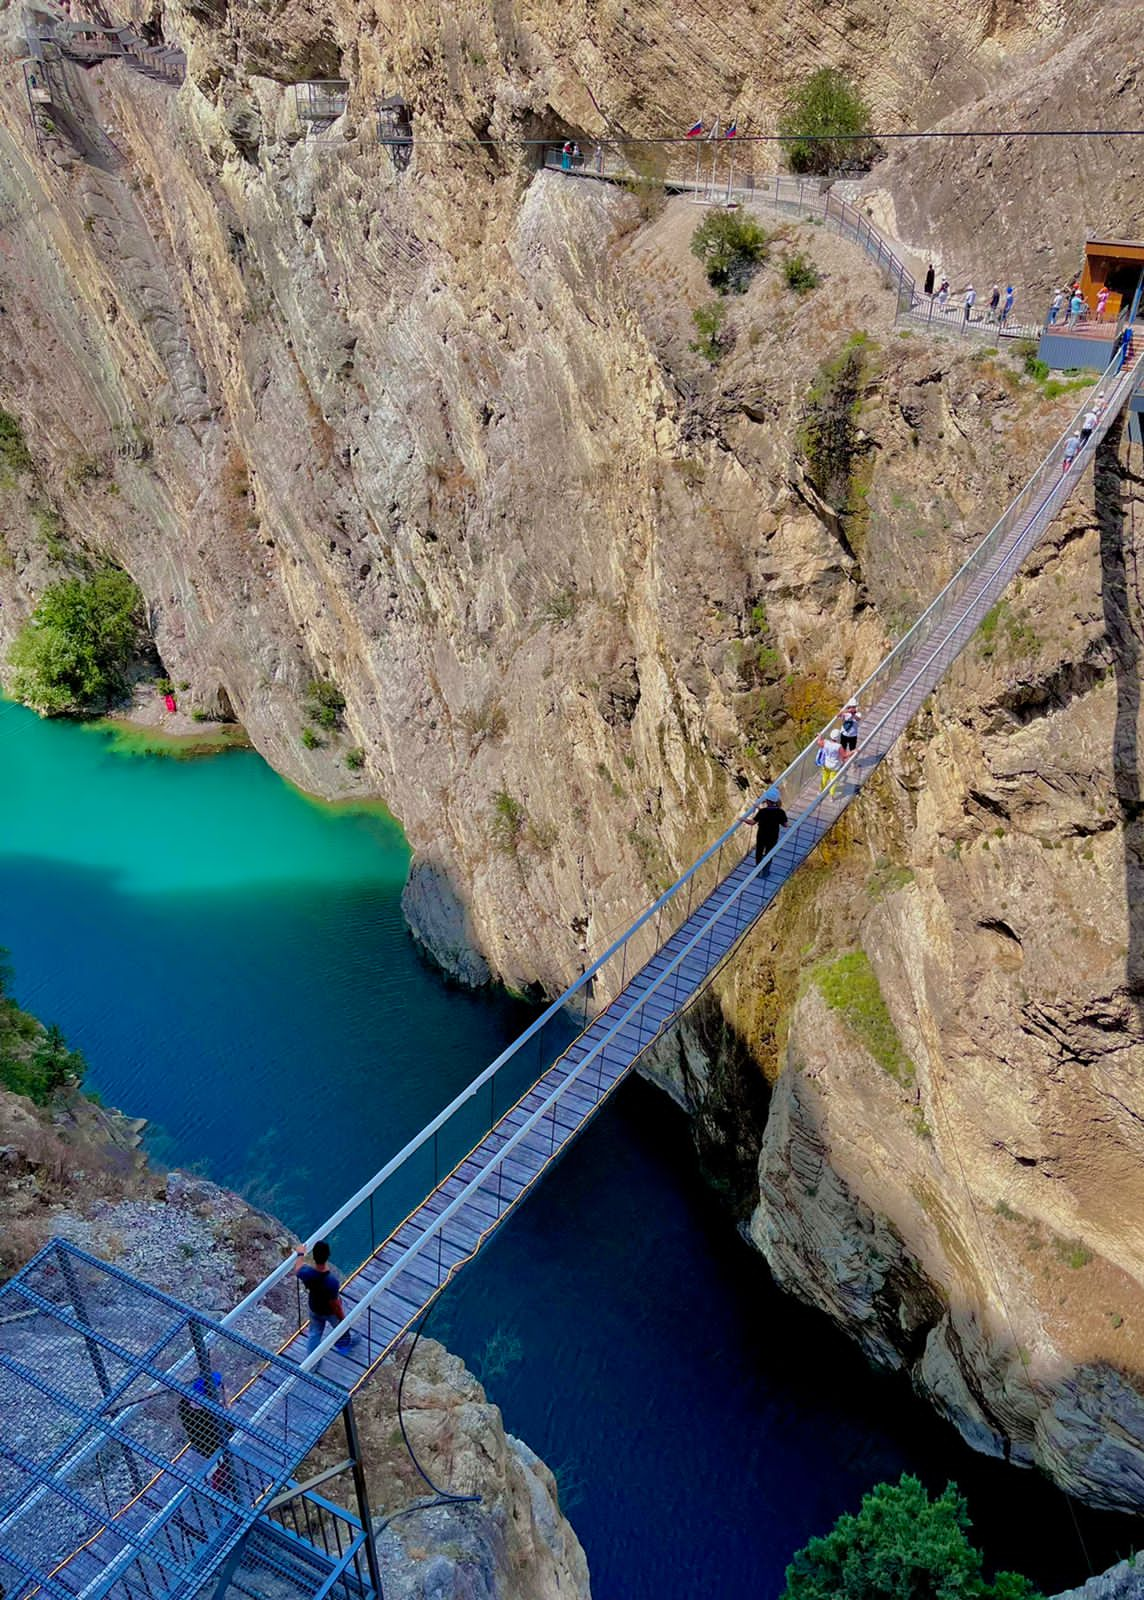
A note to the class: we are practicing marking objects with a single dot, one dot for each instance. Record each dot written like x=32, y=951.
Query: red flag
x=695, y=129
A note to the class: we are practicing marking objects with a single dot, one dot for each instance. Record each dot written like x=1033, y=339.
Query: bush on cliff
x=34, y=1060
x=828, y=105
x=730, y=246
x=900, y=1546
x=74, y=652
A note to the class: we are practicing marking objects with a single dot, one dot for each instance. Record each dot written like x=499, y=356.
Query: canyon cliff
x=439, y=433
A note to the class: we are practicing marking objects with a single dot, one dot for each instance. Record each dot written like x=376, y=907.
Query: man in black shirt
x=769, y=820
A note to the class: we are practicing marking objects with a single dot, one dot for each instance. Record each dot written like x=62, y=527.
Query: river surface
x=232, y=960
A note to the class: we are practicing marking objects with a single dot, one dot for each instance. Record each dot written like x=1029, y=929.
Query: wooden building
x=1116, y=265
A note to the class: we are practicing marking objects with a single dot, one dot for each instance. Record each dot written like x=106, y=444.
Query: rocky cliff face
x=1019, y=209
x=76, y=1174
x=440, y=435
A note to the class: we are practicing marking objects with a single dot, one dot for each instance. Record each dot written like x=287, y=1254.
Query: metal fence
x=141, y=1441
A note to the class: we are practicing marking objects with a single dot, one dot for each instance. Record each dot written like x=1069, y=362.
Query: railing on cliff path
x=479, y=1157
x=810, y=200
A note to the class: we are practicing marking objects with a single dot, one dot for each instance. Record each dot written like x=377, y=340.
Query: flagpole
x=730, y=169
x=714, y=147
x=698, y=147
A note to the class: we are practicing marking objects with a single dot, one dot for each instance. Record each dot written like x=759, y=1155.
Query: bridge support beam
x=353, y=1447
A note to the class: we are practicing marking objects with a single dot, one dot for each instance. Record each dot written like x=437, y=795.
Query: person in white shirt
x=829, y=758
x=1090, y=421
x=969, y=302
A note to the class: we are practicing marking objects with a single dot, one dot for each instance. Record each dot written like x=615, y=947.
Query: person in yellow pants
x=829, y=757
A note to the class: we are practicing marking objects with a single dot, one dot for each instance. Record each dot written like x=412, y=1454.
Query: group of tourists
x=835, y=749
x=1075, y=307
x=999, y=307
x=1077, y=440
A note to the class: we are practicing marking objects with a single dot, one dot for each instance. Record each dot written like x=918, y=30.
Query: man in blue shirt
x=323, y=1290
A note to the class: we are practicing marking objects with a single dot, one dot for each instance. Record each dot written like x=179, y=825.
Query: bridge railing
x=370, y=1215
x=806, y=198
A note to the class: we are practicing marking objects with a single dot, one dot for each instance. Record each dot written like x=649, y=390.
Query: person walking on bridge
x=769, y=820
x=829, y=758
x=848, y=728
x=994, y=301
x=968, y=305
x=1055, y=305
x=324, y=1292
x=943, y=294
x=1072, y=445
x=927, y=287
x=1007, y=303
x=1088, y=425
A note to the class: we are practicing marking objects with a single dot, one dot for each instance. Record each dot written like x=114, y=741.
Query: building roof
x=139, y=1439
x=1097, y=246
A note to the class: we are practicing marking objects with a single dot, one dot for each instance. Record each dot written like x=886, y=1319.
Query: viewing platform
x=148, y=1453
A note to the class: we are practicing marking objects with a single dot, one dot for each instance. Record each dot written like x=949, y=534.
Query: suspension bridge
x=151, y=1453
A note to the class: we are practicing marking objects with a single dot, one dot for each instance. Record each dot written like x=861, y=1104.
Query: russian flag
x=730, y=130
x=695, y=129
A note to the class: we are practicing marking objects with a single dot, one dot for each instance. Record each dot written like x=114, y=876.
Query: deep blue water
x=233, y=962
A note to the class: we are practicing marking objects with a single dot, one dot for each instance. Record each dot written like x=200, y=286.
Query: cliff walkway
x=426, y=1213
x=808, y=200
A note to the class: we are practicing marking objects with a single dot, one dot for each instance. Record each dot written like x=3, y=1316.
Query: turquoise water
x=232, y=960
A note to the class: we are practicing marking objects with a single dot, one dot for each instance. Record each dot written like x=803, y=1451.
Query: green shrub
x=901, y=1545
x=829, y=106
x=34, y=1061
x=559, y=607
x=325, y=703
x=709, y=322
x=507, y=822
x=829, y=432
x=355, y=758
x=310, y=740
x=14, y=455
x=731, y=247
x=850, y=986
x=800, y=273
x=74, y=652
x=200, y=715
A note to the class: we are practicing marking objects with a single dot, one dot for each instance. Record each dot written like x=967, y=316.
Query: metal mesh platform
x=140, y=1442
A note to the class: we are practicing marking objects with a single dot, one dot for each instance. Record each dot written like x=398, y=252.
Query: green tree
x=731, y=246
x=74, y=652
x=34, y=1061
x=712, y=340
x=900, y=1546
x=829, y=434
x=826, y=103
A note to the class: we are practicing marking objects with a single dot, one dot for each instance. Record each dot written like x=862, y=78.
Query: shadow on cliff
x=1116, y=512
